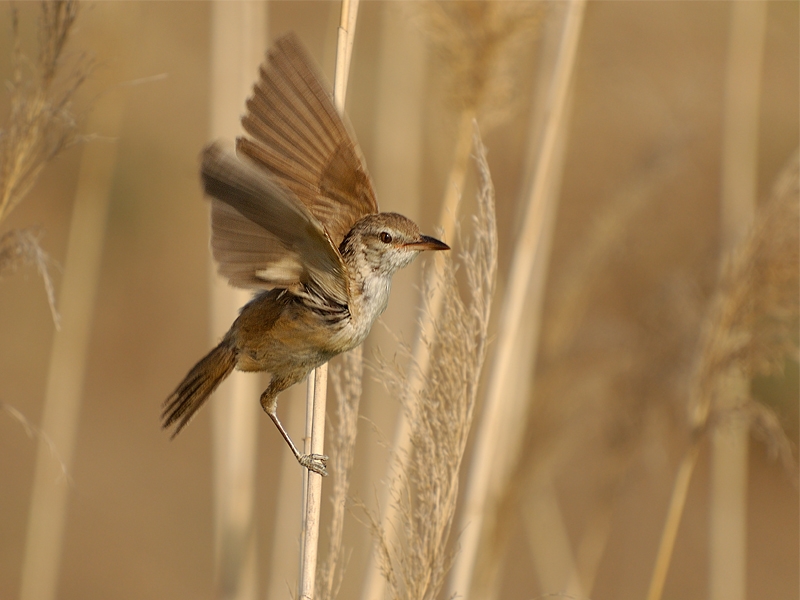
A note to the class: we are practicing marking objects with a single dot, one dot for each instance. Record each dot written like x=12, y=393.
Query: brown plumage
x=295, y=216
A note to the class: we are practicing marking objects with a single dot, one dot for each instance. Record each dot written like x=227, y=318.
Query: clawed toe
x=315, y=462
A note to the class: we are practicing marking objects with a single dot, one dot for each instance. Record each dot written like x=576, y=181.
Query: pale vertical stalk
x=311, y=390
x=238, y=42
x=728, y=503
x=313, y=481
x=729, y=442
x=499, y=433
x=548, y=538
x=485, y=579
x=317, y=390
x=668, y=536
x=285, y=559
x=67, y=368
x=550, y=553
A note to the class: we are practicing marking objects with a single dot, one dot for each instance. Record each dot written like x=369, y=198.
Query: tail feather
x=197, y=386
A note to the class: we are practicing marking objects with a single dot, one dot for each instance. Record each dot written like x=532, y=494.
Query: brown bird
x=294, y=215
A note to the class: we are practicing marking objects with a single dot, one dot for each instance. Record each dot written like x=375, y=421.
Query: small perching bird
x=295, y=216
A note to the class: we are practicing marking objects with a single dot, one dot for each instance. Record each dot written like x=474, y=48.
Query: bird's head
x=382, y=243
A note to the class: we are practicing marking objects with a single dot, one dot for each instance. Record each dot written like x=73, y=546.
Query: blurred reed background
x=661, y=315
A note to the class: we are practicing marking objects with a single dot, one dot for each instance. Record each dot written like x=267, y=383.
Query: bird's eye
x=385, y=237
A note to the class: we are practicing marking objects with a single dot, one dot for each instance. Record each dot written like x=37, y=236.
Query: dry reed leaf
x=425, y=492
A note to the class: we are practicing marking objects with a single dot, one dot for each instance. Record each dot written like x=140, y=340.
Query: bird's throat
x=369, y=298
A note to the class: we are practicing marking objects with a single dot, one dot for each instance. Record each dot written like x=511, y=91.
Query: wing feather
x=298, y=135
x=243, y=249
x=262, y=236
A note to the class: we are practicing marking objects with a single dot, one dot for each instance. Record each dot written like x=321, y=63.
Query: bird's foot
x=314, y=462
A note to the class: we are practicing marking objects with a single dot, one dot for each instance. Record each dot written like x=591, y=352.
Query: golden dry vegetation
x=649, y=328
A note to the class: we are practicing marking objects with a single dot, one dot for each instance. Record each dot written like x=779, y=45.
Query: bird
x=294, y=217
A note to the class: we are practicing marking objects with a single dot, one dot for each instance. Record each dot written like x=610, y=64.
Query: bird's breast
x=369, y=299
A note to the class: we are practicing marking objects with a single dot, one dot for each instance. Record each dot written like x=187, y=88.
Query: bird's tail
x=197, y=386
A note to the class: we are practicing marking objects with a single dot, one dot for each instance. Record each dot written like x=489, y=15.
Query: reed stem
x=670, y=532
x=312, y=491
x=739, y=184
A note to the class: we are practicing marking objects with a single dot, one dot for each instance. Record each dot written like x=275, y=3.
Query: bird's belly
x=299, y=349
x=298, y=340
x=283, y=337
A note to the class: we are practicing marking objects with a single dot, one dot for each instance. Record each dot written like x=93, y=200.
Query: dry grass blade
x=425, y=492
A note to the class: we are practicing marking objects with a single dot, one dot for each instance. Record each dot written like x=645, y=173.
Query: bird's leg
x=269, y=402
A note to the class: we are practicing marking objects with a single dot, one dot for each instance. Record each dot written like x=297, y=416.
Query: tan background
x=648, y=91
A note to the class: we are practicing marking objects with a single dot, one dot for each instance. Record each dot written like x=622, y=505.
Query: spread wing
x=298, y=135
x=262, y=236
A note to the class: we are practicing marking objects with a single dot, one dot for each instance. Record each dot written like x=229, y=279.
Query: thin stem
x=313, y=497
x=676, y=504
x=313, y=481
x=739, y=185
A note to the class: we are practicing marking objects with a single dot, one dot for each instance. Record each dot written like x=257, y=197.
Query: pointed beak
x=427, y=243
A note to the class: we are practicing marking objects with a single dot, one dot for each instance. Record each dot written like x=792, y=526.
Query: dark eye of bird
x=386, y=237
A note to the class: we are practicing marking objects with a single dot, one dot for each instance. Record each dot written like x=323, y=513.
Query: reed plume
x=752, y=319
x=415, y=559
x=479, y=44
x=41, y=123
x=751, y=328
